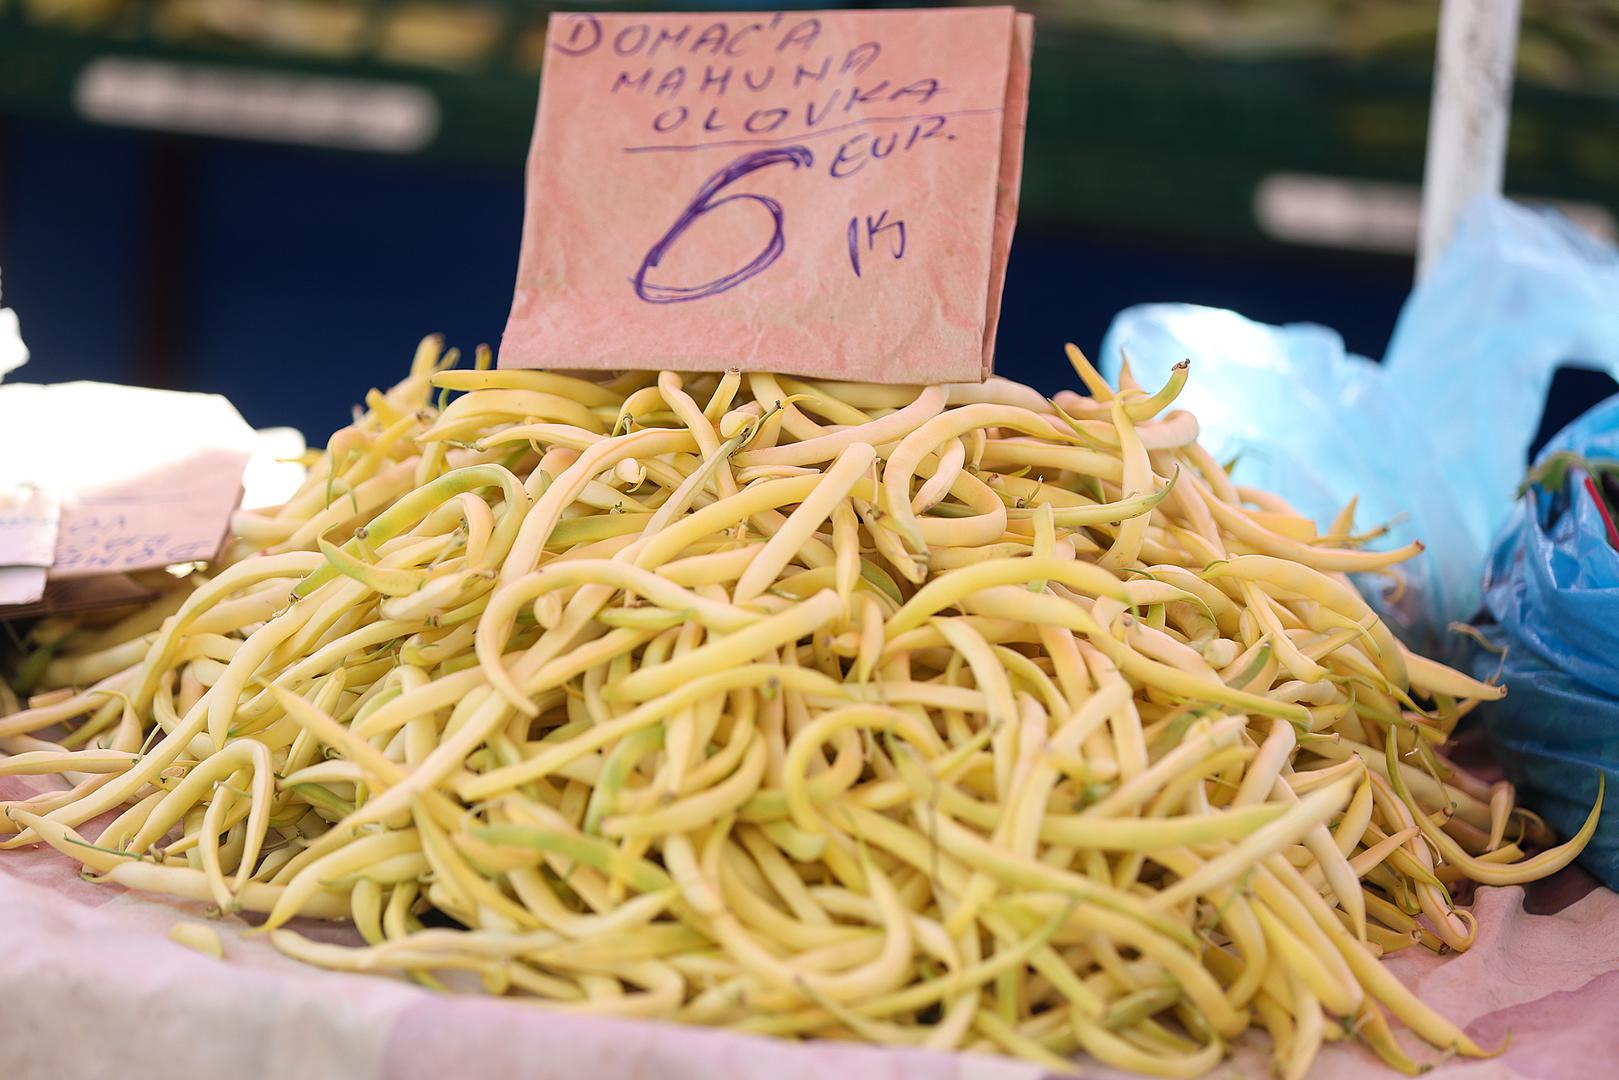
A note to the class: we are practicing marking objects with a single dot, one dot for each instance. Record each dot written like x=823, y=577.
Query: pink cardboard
x=829, y=194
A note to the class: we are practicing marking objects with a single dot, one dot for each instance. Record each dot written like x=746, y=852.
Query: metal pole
x=1467, y=125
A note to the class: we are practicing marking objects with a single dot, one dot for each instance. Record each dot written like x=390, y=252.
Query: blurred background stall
x=248, y=196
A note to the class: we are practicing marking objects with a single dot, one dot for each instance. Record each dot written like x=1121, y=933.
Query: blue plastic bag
x=1435, y=437
x=1552, y=590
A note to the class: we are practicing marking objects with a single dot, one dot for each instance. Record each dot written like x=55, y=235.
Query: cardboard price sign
x=829, y=194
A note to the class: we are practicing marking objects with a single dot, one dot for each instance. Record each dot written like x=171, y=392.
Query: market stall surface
x=95, y=987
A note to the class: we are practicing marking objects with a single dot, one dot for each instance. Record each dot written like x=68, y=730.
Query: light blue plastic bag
x=1436, y=436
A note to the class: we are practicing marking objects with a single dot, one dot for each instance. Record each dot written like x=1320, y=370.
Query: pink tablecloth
x=91, y=987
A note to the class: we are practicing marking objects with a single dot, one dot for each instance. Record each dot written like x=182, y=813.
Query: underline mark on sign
x=776, y=141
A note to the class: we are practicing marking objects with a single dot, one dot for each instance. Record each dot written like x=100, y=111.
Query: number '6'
x=796, y=156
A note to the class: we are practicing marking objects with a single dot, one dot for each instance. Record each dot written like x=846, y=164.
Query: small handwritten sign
x=141, y=531
x=120, y=478
x=817, y=193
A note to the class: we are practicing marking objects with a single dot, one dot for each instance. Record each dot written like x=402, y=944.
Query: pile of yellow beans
x=948, y=717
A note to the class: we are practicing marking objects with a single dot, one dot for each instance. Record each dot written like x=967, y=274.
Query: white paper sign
x=28, y=524
x=144, y=478
x=21, y=584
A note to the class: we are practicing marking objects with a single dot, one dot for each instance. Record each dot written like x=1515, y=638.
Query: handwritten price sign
x=156, y=486
x=817, y=193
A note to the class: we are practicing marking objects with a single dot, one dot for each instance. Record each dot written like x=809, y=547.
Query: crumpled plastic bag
x=1435, y=437
x=1552, y=590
